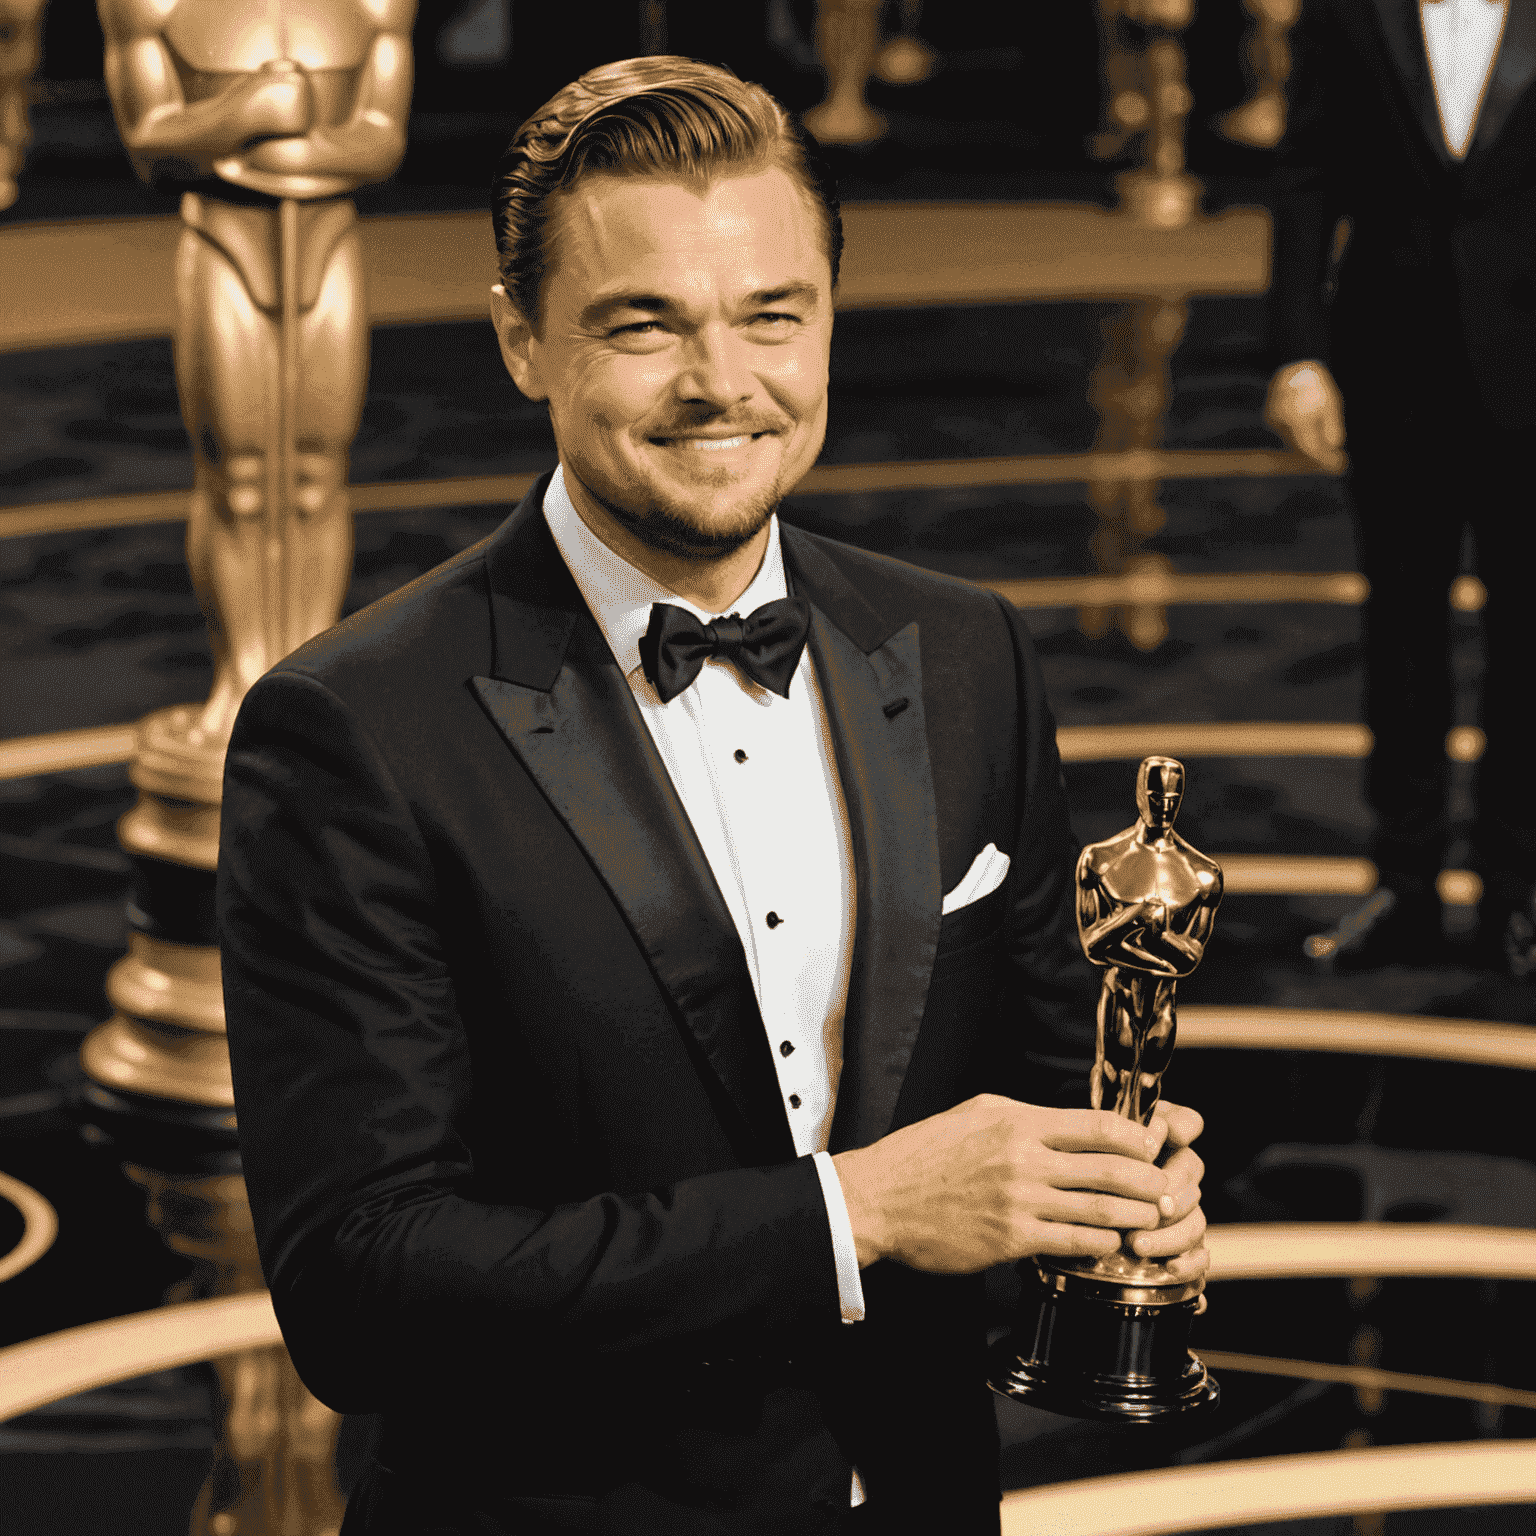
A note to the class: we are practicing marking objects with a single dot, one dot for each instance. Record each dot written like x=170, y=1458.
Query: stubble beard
x=674, y=529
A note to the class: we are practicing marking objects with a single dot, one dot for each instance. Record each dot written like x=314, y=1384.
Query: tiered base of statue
x=1105, y=1342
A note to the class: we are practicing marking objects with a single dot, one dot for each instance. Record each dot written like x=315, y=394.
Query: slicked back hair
x=655, y=116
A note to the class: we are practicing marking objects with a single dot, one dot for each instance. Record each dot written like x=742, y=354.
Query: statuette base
x=1082, y=1350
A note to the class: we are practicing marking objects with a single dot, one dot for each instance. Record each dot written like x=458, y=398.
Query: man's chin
x=687, y=531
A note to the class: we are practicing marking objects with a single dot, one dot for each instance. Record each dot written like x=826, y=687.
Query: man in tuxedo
x=1415, y=122
x=649, y=938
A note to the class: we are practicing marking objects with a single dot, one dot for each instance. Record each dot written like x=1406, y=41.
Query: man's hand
x=1306, y=409
x=994, y=1180
x=1180, y=1235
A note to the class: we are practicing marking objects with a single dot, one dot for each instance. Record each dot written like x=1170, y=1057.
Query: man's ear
x=515, y=337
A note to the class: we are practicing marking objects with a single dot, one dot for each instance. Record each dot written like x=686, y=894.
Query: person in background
x=1403, y=303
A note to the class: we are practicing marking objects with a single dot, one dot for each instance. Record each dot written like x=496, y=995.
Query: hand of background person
x=1306, y=409
x=994, y=1180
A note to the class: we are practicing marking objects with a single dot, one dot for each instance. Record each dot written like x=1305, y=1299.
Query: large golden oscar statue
x=266, y=115
x=1145, y=99
x=20, y=51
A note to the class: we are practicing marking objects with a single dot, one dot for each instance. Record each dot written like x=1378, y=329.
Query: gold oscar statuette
x=1109, y=1338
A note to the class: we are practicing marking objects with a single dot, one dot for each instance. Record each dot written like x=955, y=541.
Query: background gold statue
x=1146, y=903
x=20, y=25
x=267, y=113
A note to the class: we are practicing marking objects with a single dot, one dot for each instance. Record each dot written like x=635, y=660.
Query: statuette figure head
x=1159, y=789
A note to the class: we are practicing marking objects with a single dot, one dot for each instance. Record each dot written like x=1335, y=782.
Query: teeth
x=709, y=444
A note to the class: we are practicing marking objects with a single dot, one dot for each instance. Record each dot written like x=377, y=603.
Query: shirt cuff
x=850, y=1289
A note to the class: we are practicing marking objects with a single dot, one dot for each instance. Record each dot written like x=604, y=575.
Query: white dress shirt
x=1461, y=38
x=757, y=775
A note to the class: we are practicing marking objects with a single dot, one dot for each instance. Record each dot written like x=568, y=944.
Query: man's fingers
x=1103, y=1173
x=1069, y=1242
x=1112, y=1172
x=1184, y=1124
x=1191, y=1265
x=1101, y=1130
x=1089, y=1208
x=1185, y=1167
x=1181, y=1237
x=1179, y=1202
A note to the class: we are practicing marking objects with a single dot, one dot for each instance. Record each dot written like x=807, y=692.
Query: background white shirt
x=1461, y=38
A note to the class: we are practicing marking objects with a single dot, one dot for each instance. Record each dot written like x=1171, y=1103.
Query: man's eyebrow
x=798, y=289
x=657, y=304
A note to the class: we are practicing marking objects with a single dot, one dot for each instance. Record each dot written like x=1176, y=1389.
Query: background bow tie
x=766, y=645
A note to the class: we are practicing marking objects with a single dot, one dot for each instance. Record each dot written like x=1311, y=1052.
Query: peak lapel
x=871, y=682
x=564, y=708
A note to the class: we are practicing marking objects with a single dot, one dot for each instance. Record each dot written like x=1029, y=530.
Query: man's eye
x=637, y=329
x=771, y=315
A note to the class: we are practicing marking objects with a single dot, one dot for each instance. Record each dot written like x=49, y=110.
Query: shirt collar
x=620, y=595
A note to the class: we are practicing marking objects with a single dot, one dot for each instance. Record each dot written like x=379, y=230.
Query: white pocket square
x=981, y=879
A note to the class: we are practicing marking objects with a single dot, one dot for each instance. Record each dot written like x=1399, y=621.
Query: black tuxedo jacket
x=511, y=1129
x=1439, y=276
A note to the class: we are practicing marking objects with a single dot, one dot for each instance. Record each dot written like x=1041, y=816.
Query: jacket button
x=740, y=756
x=794, y=1101
x=785, y=1048
x=774, y=919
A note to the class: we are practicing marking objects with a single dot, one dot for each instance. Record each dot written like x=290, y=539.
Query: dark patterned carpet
x=103, y=627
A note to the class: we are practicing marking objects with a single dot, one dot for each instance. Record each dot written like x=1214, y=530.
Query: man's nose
x=715, y=369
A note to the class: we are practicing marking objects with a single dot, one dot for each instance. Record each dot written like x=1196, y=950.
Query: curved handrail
x=1475, y=1041
x=75, y=1360
x=40, y=1226
x=1379, y=1478
x=1297, y=1250
x=1368, y=1378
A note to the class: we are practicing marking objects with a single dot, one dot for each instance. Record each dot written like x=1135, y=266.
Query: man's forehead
x=608, y=228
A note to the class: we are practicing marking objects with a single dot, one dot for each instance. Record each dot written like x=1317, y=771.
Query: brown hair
x=658, y=116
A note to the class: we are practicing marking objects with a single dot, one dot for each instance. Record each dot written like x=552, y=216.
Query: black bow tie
x=766, y=645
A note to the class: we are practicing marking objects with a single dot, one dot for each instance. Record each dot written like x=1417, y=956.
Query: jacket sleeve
x=1051, y=986
x=1307, y=199
x=352, y=1088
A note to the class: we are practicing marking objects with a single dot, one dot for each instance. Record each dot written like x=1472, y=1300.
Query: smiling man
x=649, y=938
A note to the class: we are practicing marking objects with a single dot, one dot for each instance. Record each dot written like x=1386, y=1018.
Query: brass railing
x=39, y=1226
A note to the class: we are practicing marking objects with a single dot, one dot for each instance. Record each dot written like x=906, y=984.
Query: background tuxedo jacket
x=521, y=1175
x=1439, y=276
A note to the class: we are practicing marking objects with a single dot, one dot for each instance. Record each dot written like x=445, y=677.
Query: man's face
x=683, y=352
